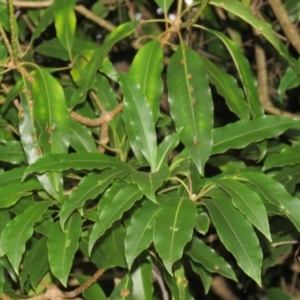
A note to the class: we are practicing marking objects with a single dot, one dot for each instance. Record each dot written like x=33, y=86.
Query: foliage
x=100, y=174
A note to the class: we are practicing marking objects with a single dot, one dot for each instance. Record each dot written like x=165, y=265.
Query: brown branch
x=285, y=22
x=31, y=4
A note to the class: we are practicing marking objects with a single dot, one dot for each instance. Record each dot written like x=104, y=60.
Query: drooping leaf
x=173, y=228
x=122, y=201
x=201, y=253
x=64, y=242
x=148, y=183
x=237, y=234
x=248, y=202
x=227, y=86
x=89, y=187
x=146, y=70
x=89, y=74
x=277, y=195
x=164, y=4
x=138, y=109
x=65, y=22
x=191, y=103
x=287, y=157
x=204, y=275
x=76, y=161
x=139, y=233
x=240, y=134
x=19, y=231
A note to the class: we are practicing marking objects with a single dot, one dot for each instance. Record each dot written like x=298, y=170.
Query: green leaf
x=165, y=147
x=96, y=61
x=173, y=228
x=12, y=152
x=51, y=114
x=201, y=253
x=277, y=294
x=202, y=223
x=2, y=278
x=164, y=4
x=245, y=73
x=66, y=244
x=237, y=234
x=248, y=202
x=19, y=231
x=148, y=183
x=242, y=133
x=123, y=291
x=277, y=195
x=142, y=280
x=122, y=201
x=89, y=188
x=287, y=157
x=227, y=86
x=65, y=22
x=204, y=275
x=242, y=11
x=94, y=292
x=76, y=161
x=191, y=103
x=81, y=139
x=146, y=70
x=141, y=118
x=139, y=233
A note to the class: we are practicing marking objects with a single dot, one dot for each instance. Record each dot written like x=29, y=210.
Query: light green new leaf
x=76, y=161
x=227, y=86
x=142, y=280
x=123, y=291
x=146, y=70
x=204, y=275
x=138, y=109
x=276, y=194
x=164, y=4
x=19, y=231
x=173, y=228
x=139, y=233
x=242, y=11
x=122, y=201
x=287, y=157
x=248, y=202
x=51, y=114
x=89, y=74
x=62, y=246
x=89, y=188
x=182, y=282
x=237, y=234
x=148, y=183
x=191, y=103
x=201, y=253
x=242, y=133
x=289, y=80
x=245, y=72
x=165, y=147
x=65, y=22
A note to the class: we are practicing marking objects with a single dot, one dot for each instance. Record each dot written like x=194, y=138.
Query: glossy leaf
x=122, y=201
x=64, y=242
x=146, y=70
x=19, y=231
x=173, y=228
x=242, y=133
x=202, y=223
x=12, y=153
x=165, y=147
x=141, y=118
x=76, y=161
x=287, y=157
x=191, y=103
x=227, y=86
x=89, y=73
x=65, y=22
x=237, y=235
x=139, y=233
x=277, y=195
x=201, y=253
x=123, y=291
x=148, y=183
x=248, y=202
x=164, y=4
x=89, y=187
